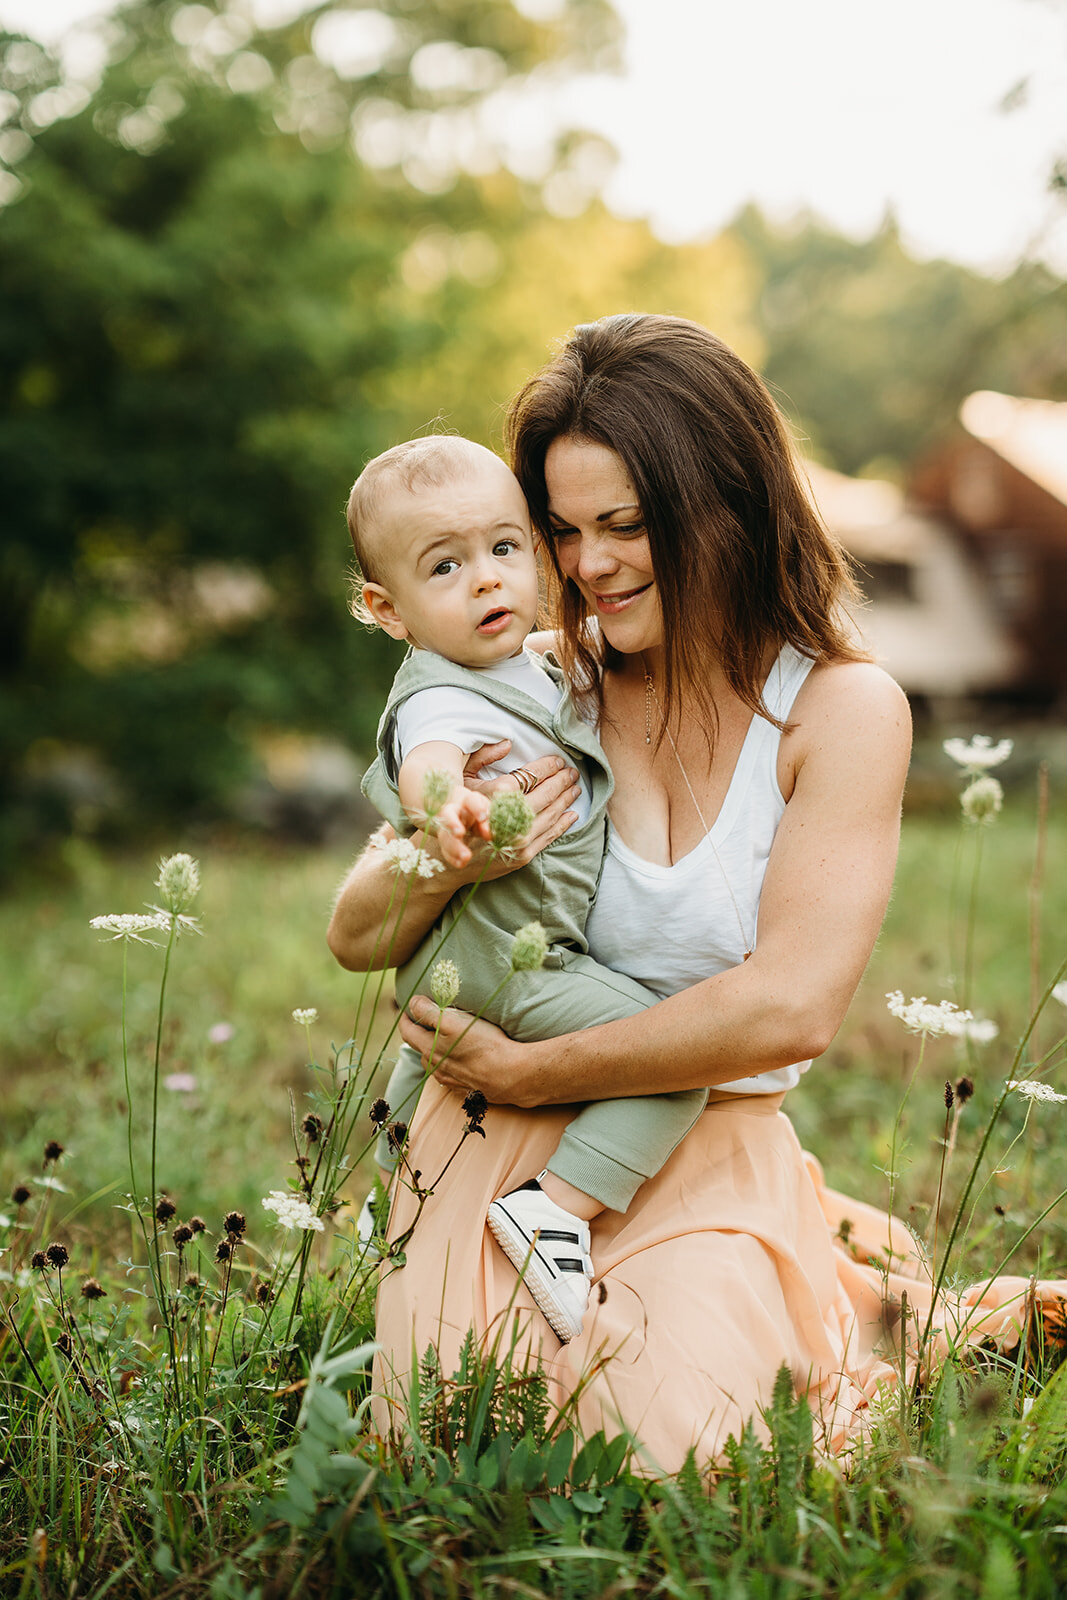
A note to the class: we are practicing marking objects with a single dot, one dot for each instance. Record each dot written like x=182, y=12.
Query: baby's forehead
x=466, y=502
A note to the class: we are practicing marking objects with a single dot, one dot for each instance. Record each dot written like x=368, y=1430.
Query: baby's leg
x=606, y=1153
x=613, y=1146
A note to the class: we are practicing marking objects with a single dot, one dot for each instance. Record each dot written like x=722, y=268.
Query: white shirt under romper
x=466, y=719
x=671, y=927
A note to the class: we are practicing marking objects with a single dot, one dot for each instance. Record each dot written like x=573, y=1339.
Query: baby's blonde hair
x=428, y=463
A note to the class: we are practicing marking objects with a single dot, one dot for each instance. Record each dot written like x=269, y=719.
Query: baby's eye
x=504, y=547
x=443, y=568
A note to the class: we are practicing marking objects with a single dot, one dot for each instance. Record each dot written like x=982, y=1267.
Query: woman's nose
x=595, y=560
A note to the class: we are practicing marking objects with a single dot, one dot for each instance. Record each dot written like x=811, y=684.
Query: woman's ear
x=379, y=602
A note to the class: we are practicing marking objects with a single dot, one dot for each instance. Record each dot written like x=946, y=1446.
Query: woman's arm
x=374, y=926
x=824, y=897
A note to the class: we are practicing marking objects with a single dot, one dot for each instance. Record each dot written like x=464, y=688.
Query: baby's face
x=458, y=567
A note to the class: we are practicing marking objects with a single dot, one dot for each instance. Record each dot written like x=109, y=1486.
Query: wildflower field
x=186, y=1310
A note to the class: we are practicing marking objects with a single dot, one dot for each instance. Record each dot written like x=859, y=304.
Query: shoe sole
x=521, y=1250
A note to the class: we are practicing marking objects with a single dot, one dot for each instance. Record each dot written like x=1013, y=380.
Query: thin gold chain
x=650, y=697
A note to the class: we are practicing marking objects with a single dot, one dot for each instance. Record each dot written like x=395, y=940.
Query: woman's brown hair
x=741, y=560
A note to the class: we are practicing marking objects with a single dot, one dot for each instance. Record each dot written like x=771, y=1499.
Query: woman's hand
x=552, y=799
x=367, y=899
x=464, y=1053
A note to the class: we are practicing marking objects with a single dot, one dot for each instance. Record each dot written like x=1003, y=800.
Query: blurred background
x=246, y=245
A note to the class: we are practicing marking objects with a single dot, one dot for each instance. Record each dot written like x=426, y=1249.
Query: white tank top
x=670, y=927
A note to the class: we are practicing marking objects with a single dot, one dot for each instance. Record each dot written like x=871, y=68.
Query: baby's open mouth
x=493, y=621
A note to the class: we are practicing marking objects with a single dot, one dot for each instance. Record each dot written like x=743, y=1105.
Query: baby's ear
x=379, y=602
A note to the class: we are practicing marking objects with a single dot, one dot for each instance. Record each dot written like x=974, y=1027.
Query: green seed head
x=511, y=816
x=981, y=800
x=529, y=948
x=436, y=788
x=444, y=983
x=178, y=882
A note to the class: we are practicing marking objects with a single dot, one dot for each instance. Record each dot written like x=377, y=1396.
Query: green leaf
x=559, y=1460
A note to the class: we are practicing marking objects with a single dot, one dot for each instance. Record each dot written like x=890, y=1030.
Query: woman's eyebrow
x=602, y=516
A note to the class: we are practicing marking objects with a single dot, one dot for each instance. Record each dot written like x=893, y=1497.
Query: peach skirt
x=728, y=1264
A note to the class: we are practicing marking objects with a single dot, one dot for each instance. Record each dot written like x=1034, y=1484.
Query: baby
x=447, y=555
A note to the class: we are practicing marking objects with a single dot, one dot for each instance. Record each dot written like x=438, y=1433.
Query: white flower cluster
x=980, y=754
x=305, y=1016
x=408, y=858
x=132, y=925
x=292, y=1211
x=1032, y=1090
x=980, y=1030
x=920, y=1015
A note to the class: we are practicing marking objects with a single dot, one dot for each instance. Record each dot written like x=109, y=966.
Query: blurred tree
x=197, y=293
x=873, y=351
x=544, y=274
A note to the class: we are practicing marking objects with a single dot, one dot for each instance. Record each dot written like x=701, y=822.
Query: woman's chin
x=631, y=637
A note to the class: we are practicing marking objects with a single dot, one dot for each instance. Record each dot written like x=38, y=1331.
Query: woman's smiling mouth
x=610, y=604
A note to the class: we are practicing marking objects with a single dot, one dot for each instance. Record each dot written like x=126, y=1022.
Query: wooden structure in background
x=929, y=619
x=1001, y=486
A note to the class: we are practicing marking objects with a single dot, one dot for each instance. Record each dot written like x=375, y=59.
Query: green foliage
x=199, y=293
x=873, y=351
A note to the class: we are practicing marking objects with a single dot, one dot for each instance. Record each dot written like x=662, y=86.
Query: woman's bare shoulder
x=849, y=715
x=852, y=690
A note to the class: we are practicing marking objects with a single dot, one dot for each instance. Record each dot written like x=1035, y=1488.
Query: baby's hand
x=464, y=814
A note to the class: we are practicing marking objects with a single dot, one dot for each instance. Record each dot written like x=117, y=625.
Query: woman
x=759, y=760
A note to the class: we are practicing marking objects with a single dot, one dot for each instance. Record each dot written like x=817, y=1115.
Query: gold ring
x=525, y=780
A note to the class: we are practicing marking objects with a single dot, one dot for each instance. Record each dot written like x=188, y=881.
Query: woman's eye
x=560, y=533
x=626, y=530
x=443, y=568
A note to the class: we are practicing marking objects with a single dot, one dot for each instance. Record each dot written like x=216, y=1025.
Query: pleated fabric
x=734, y=1260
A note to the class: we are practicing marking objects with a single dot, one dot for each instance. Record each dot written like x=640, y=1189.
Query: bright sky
x=842, y=106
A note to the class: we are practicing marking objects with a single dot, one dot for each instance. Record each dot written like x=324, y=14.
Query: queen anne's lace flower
x=292, y=1211
x=305, y=1016
x=920, y=1015
x=408, y=858
x=1032, y=1090
x=980, y=1030
x=132, y=925
x=980, y=754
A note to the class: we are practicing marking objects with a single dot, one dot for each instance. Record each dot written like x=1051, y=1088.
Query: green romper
x=611, y=1146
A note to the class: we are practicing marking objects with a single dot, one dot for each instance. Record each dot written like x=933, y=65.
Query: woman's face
x=601, y=543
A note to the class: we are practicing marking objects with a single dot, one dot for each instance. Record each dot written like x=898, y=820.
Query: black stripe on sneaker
x=548, y=1264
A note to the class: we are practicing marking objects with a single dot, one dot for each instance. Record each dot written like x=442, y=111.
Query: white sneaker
x=549, y=1248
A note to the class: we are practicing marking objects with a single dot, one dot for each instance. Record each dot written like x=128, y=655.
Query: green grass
x=248, y=1479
